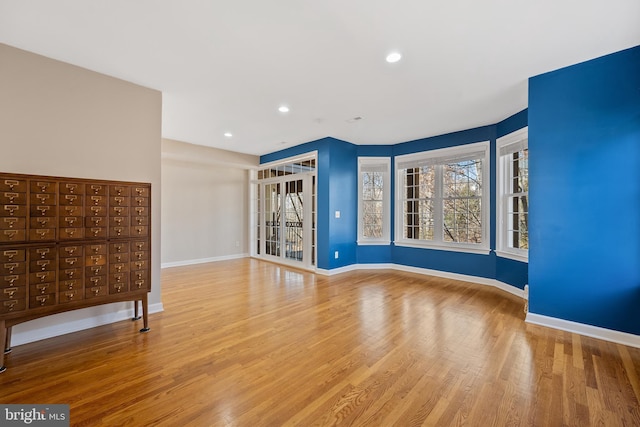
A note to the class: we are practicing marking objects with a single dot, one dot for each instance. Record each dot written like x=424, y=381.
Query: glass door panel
x=272, y=209
x=293, y=226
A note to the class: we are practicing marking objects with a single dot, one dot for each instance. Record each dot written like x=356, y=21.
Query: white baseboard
x=583, y=329
x=456, y=276
x=73, y=321
x=202, y=260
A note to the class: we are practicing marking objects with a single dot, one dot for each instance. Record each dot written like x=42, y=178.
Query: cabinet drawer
x=97, y=249
x=42, y=277
x=95, y=211
x=42, y=265
x=139, y=230
x=13, y=223
x=140, y=256
x=13, y=210
x=43, y=211
x=70, y=285
x=118, y=288
x=140, y=245
x=42, y=234
x=118, y=268
x=143, y=191
x=70, y=251
x=71, y=211
x=95, y=221
x=71, y=188
x=71, y=233
x=71, y=221
x=71, y=274
x=70, y=295
x=139, y=265
x=118, y=211
x=42, y=222
x=140, y=211
x=137, y=285
x=95, y=260
x=140, y=201
x=13, y=255
x=119, y=201
x=38, y=301
x=13, y=235
x=12, y=306
x=15, y=293
x=92, y=282
x=119, y=278
x=95, y=270
x=42, y=186
x=139, y=275
x=119, y=190
x=96, y=190
x=95, y=201
x=42, y=289
x=71, y=200
x=12, y=198
x=96, y=233
x=43, y=199
x=70, y=262
x=13, y=280
x=47, y=252
x=119, y=232
x=95, y=291
x=12, y=268
x=119, y=221
x=140, y=220
x=13, y=185
x=119, y=247
x=118, y=258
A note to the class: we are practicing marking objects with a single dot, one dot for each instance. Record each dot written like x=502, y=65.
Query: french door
x=287, y=223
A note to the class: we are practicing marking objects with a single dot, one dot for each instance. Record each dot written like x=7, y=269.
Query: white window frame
x=514, y=140
x=438, y=156
x=383, y=165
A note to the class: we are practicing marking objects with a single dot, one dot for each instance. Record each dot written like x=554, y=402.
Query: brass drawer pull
x=96, y=200
x=11, y=221
x=96, y=220
x=71, y=198
x=69, y=295
x=43, y=209
x=96, y=258
x=95, y=210
x=42, y=197
x=42, y=233
x=96, y=270
x=140, y=191
x=119, y=200
x=10, y=254
x=70, y=274
x=139, y=283
x=42, y=299
x=11, y=196
x=96, y=188
x=96, y=249
x=42, y=221
x=43, y=288
x=10, y=292
x=118, y=210
x=11, y=304
x=71, y=261
x=42, y=276
x=70, y=250
x=71, y=187
x=11, y=209
x=43, y=186
x=43, y=252
x=70, y=220
x=11, y=279
x=139, y=211
x=11, y=233
x=71, y=284
x=11, y=267
x=43, y=264
x=11, y=183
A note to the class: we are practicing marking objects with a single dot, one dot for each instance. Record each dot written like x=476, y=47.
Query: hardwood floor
x=249, y=343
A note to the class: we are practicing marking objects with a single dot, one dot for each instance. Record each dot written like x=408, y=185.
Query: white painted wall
x=61, y=120
x=205, y=203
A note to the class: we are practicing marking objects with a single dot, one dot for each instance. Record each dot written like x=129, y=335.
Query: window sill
x=452, y=248
x=373, y=242
x=515, y=257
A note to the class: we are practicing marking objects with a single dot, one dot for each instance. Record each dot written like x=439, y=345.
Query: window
x=443, y=198
x=513, y=195
x=374, y=200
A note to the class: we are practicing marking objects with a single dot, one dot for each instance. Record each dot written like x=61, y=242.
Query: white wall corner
x=203, y=260
x=618, y=337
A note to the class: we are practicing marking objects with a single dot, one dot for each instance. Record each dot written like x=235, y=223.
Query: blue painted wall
x=584, y=141
x=337, y=190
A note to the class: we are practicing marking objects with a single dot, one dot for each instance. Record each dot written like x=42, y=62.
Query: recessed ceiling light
x=283, y=109
x=394, y=57
x=228, y=134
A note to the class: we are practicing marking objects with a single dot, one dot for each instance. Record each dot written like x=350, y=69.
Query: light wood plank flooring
x=249, y=343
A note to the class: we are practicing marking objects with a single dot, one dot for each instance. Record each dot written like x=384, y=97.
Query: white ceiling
x=226, y=66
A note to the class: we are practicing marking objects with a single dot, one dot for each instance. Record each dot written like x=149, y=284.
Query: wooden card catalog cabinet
x=70, y=243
